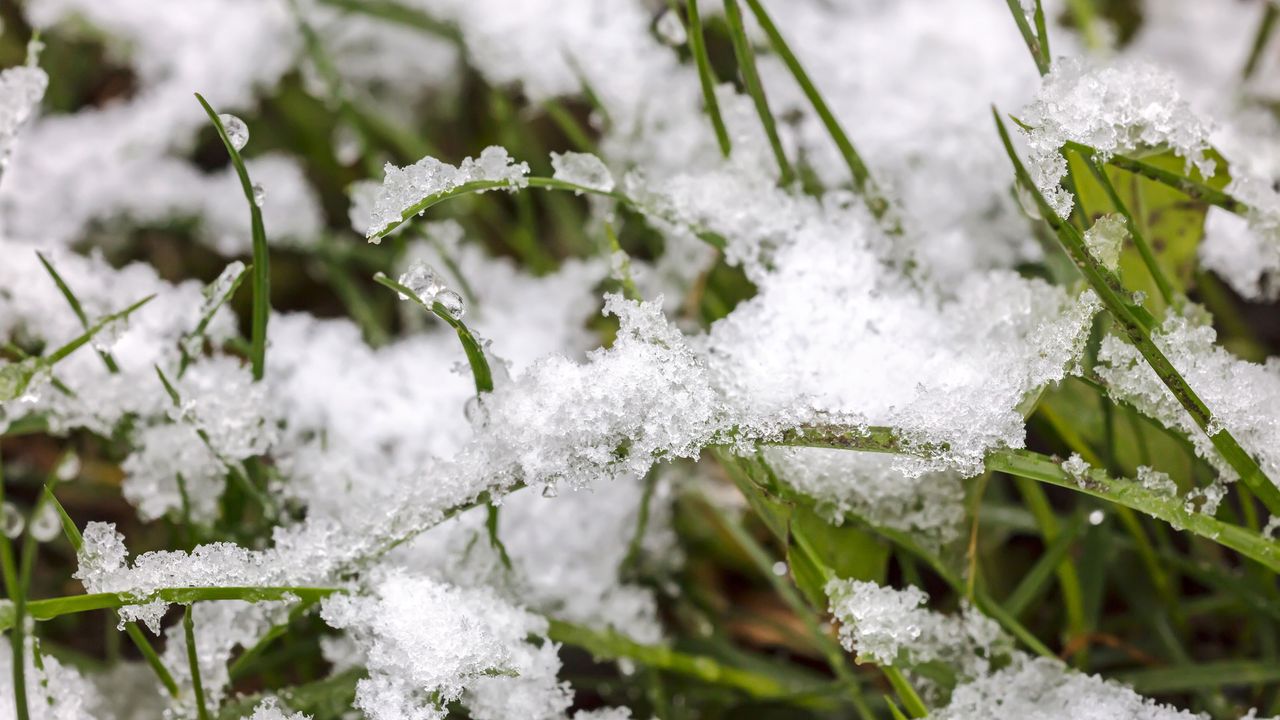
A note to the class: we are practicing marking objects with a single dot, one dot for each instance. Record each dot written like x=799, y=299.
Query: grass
x=1171, y=591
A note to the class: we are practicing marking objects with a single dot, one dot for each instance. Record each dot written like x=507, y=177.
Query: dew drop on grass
x=421, y=278
x=259, y=195
x=11, y=522
x=671, y=29
x=452, y=303
x=1096, y=517
x=46, y=524
x=779, y=568
x=475, y=411
x=237, y=131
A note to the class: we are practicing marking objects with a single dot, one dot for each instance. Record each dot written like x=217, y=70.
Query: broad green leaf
x=820, y=549
x=1172, y=222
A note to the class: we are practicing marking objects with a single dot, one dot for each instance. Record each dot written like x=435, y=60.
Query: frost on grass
x=427, y=644
x=1046, y=689
x=54, y=691
x=220, y=627
x=1119, y=109
x=1217, y=377
x=402, y=188
x=270, y=709
x=889, y=627
x=867, y=485
x=1105, y=239
x=582, y=169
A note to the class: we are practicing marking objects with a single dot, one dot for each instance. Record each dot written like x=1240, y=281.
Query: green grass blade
x=751, y=80
x=1192, y=188
x=544, y=183
x=1137, y=326
x=261, y=312
x=609, y=644
x=907, y=694
x=698, y=47
x=76, y=344
x=862, y=180
x=77, y=308
x=1129, y=493
x=1265, y=26
x=1034, y=582
x=1034, y=46
x=398, y=14
x=51, y=608
x=475, y=354
x=1207, y=675
x=193, y=659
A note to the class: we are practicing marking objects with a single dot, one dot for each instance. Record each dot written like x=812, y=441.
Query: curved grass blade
x=475, y=354
x=1138, y=325
x=261, y=312
x=77, y=308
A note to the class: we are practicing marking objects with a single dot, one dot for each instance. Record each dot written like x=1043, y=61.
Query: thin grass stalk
x=193, y=658
x=858, y=171
x=698, y=47
x=78, y=309
x=261, y=311
x=1034, y=46
x=1265, y=26
x=822, y=642
x=751, y=80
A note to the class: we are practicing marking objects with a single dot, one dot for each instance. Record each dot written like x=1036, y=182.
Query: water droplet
x=452, y=303
x=475, y=411
x=549, y=490
x=237, y=131
x=1027, y=201
x=421, y=278
x=671, y=29
x=779, y=568
x=46, y=524
x=259, y=195
x=1096, y=517
x=109, y=334
x=626, y=666
x=11, y=522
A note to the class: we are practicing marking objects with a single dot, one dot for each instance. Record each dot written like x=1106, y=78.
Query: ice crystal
x=1105, y=238
x=428, y=643
x=1077, y=469
x=269, y=709
x=1046, y=689
x=402, y=188
x=1157, y=481
x=1123, y=108
x=582, y=169
x=889, y=627
x=1216, y=376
